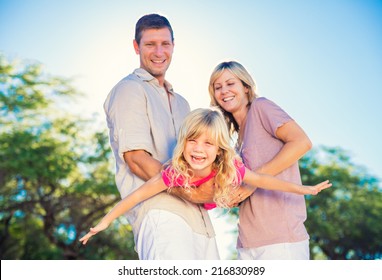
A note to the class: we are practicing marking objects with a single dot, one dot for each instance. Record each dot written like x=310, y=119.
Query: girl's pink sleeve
x=209, y=206
x=166, y=177
x=240, y=169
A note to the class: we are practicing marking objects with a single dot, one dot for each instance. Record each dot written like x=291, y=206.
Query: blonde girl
x=203, y=155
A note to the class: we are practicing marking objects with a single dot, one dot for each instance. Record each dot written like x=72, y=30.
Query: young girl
x=202, y=155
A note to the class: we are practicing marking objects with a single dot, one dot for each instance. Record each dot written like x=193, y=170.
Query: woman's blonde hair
x=242, y=74
x=212, y=122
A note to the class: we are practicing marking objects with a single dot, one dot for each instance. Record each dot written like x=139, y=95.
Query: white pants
x=166, y=236
x=281, y=251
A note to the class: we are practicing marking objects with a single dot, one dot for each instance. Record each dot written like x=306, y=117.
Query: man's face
x=155, y=50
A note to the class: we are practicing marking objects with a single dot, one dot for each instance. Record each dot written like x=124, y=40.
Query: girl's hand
x=314, y=190
x=240, y=194
x=93, y=231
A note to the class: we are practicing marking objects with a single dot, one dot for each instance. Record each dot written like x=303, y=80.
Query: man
x=144, y=115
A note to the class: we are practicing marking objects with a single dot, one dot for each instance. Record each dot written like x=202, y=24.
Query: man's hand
x=202, y=194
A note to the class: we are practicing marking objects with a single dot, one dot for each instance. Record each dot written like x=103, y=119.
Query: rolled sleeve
x=131, y=126
x=268, y=108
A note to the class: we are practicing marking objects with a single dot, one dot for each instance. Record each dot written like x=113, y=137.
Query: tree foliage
x=55, y=173
x=343, y=221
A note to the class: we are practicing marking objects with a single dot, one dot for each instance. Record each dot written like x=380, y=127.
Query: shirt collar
x=146, y=76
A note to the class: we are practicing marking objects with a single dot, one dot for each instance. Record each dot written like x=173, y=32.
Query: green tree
x=55, y=178
x=344, y=222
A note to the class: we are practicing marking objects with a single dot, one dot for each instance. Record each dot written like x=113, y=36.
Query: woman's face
x=230, y=93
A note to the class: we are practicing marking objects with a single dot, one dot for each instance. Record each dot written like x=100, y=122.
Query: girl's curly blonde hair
x=211, y=121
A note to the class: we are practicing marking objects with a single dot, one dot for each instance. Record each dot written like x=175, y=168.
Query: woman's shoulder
x=261, y=101
x=263, y=104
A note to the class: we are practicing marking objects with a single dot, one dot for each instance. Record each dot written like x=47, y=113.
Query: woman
x=271, y=223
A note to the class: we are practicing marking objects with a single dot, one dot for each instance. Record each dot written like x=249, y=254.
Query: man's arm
x=202, y=194
x=142, y=164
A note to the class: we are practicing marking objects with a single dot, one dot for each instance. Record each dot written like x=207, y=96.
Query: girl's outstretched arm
x=150, y=188
x=272, y=183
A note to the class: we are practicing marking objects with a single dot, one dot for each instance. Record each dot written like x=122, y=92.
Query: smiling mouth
x=158, y=61
x=228, y=98
x=197, y=159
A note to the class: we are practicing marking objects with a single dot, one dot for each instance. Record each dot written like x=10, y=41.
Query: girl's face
x=230, y=93
x=200, y=153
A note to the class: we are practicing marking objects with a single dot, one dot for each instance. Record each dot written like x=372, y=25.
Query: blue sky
x=319, y=60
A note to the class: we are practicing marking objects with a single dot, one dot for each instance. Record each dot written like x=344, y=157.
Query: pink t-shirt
x=167, y=174
x=269, y=217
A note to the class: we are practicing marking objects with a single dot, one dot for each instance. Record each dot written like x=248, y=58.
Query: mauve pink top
x=167, y=174
x=269, y=217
